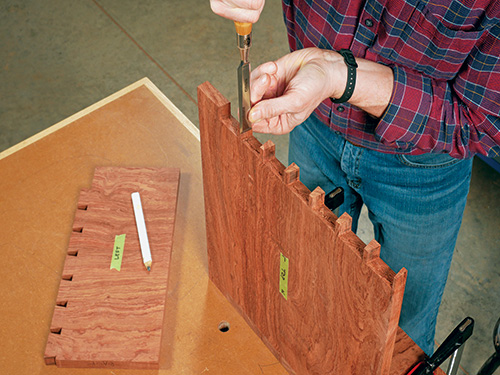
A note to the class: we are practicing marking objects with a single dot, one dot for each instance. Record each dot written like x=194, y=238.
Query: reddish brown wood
x=316, y=199
x=406, y=355
x=110, y=318
x=343, y=302
x=371, y=251
x=267, y=151
x=291, y=174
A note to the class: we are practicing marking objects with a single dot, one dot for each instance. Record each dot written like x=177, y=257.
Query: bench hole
x=224, y=326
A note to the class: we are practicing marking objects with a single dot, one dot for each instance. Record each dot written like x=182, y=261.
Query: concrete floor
x=58, y=57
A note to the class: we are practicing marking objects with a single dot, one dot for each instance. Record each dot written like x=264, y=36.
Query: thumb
x=269, y=108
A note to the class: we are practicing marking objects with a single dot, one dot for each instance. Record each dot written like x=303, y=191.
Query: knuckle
x=255, y=4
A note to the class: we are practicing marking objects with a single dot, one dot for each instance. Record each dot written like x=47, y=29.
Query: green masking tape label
x=284, y=276
x=116, y=259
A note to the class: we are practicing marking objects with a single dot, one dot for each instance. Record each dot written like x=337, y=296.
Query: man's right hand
x=238, y=10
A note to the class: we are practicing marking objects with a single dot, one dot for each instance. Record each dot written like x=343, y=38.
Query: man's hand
x=285, y=92
x=238, y=10
x=288, y=90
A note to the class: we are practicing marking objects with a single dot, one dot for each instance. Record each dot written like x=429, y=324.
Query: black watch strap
x=350, y=61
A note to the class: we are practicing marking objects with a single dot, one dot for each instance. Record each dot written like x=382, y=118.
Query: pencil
x=141, y=230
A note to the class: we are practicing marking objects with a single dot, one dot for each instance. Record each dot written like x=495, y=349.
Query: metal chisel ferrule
x=244, y=44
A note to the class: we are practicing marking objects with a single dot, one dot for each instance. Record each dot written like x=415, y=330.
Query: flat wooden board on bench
x=104, y=317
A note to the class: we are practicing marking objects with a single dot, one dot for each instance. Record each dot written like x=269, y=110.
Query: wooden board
x=343, y=302
x=104, y=317
x=53, y=170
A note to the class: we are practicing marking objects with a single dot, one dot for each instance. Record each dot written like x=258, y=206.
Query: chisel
x=244, y=40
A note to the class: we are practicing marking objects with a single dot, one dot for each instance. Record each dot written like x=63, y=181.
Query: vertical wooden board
x=105, y=317
x=342, y=310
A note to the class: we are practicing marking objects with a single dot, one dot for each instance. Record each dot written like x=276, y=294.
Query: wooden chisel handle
x=243, y=28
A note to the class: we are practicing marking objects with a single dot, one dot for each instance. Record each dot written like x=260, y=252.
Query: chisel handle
x=243, y=28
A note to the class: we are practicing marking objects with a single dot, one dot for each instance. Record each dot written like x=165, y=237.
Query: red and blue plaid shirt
x=445, y=57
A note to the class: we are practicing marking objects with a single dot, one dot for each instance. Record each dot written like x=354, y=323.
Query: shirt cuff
x=402, y=125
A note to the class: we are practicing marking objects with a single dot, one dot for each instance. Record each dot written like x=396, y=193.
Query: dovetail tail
x=83, y=207
x=400, y=279
x=62, y=303
x=267, y=150
x=67, y=277
x=291, y=174
x=316, y=198
x=344, y=223
x=371, y=251
x=78, y=229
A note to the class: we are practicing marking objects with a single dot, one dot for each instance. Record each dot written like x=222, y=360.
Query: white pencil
x=141, y=229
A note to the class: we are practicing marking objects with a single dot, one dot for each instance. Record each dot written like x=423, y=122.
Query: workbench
x=40, y=181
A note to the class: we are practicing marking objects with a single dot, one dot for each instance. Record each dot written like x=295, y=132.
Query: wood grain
x=53, y=170
x=343, y=302
x=110, y=318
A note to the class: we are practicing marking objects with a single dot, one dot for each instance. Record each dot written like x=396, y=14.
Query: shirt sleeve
x=460, y=116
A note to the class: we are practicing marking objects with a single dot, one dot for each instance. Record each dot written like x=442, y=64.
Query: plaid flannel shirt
x=445, y=58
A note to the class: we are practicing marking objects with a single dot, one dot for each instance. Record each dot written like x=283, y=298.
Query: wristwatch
x=350, y=61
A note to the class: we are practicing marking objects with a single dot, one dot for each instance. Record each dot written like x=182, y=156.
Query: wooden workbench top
x=40, y=180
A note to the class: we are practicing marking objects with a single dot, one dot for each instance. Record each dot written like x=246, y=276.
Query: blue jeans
x=414, y=202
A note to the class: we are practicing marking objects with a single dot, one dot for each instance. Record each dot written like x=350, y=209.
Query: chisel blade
x=244, y=95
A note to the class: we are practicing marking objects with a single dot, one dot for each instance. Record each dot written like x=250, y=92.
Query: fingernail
x=254, y=115
x=263, y=79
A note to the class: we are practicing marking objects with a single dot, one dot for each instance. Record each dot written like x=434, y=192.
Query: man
x=396, y=128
